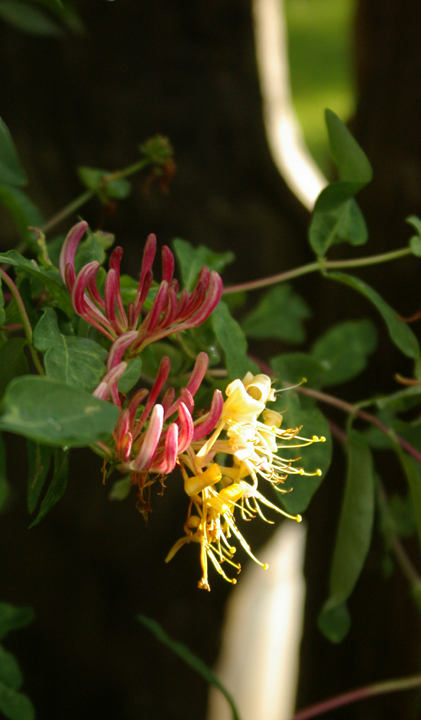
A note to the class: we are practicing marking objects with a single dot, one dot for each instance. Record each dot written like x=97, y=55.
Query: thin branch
x=25, y=320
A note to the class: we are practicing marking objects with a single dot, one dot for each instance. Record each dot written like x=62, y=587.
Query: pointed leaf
x=335, y=220
x=11, y=170
x=192, y=259
x=279, y=314
x=233, y=342
x=57, y=486
x=27, y=18
x=292, y=368
x=349, y=158
x=400, y=333
x=412, y=471
x=24, y=213
x=334, y=620
x=53, y=413
x=189, y=658
x=39, y=459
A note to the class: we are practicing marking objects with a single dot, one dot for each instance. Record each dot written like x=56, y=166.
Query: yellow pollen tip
x=298, y=518
x=265, y=566
x=318, y=471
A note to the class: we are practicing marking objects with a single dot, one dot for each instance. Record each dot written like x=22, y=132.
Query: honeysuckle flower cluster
x=168, y=314
x=157, y=431
x=216, y=490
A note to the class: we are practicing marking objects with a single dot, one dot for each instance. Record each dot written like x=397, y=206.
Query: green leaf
x=349, y=158
x=79, y=362
x=93, y=179
x=415, y=222
x=2, y=312
x=279, y=314
x=353, y=537
x=14, y=705
x=412, y=471
x=11, y=170
x=343, y=350
x=53, y=413
x=13, y=618
x=23, y=212
x=27, y=18
x=400, y=333
x=13, y=361
x=93, y=248
x=292, y=368
x=335, y=221
x=334, y=620
x=4, y=487
x=10, y=673
x=415, y=245
x=401, y=400
x=192, y=259
x=39, y=459
x=233, y=342
x=121, y=488
x=189, y=658
x=312, y=458
x=50, y=278
x=57, y=486
x=130, y=376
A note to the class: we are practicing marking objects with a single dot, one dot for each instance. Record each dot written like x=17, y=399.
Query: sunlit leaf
x=279, y=314
x=130, y=376
x=335, y=221
x=53, y=413
x=189, y=658
x=399, y=332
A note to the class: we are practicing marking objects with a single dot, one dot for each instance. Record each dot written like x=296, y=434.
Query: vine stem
x=25, y=320
x=321, y=265
x=382, y=688
x=352, y=410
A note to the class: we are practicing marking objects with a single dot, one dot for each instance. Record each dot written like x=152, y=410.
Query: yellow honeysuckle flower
x=215, y=491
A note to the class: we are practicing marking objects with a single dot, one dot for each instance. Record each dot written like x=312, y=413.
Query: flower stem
x=321, y=265
x=25, y=320
x=382, y=688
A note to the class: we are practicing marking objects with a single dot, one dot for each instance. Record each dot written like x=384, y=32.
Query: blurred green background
x=321, y=66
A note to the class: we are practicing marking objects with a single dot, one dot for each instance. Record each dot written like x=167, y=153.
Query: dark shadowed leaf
x=334, y=620
x=57, y=486
x=14, y=705
x=10, y=673
x=412, y=471
x=50, y=278
x=39, y=458
x=399, y=332
x=189, y=658
x=233, y=342
x=292, y=368
x=24, y=213
x=279, y=314
x=13, y=361
x=27, y=18
x=11, y=170
x=13, y=618
x=53, y=413
x=4, y=488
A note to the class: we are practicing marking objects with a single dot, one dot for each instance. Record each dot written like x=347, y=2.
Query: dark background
x=187, y=69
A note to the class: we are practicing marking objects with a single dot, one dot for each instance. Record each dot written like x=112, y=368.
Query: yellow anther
x=197, y=483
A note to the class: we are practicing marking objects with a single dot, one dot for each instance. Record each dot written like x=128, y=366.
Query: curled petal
x=141, y=297
x=171, y=310
x=167, y=459
x=168, y=400
x=110, y=296
x=114, y=264
x=151, y=320
x=167, y=264
x=212, y=299
x=110, y=378
x=119, y=347
x=210, y=420
x=198, y=373
x=134, y=403
x=186, y=398
x=147, y=262
x=68, y=251
x=163, y=372
x=144, y=459
x=186, y=428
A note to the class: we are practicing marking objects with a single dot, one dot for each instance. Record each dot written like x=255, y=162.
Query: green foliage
x=353, y=538
x=13, y=618
x=93, y=248
x=27, y=18
x=50, y=278
x=4, y=487
x=279, y=314
x=399, y=332
x=189, y=658
x=57, y=486
x=336, y=217
x=11, y=170
x=192, y=259
x=415, y=240
x=53, y=413
x=13, y=361
x=39, y=459
x=96, y=180
x=78, y=362
x=413, y=474
x=23, y=212
x=343, y=350
x=233, y=342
